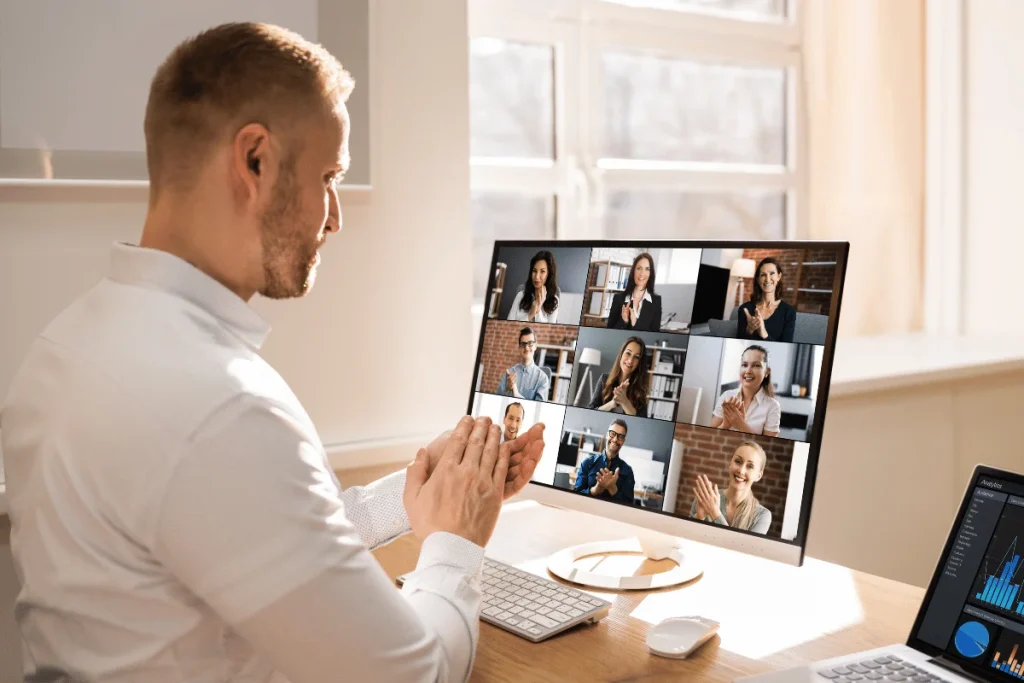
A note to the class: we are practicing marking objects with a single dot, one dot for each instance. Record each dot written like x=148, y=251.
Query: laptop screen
x=974, y=610
x=671, y=376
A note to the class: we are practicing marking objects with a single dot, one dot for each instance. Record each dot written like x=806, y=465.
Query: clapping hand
x=539, y=297
x=626, y=312
x=606, y=479
x=755, y=323
x=511, y=381
x=732, y=411
x=708, y=500
x=619, y=393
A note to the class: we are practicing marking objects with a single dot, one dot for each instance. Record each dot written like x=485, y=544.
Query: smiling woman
x=766, y=316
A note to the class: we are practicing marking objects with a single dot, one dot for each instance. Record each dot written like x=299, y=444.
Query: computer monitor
x=713, y=423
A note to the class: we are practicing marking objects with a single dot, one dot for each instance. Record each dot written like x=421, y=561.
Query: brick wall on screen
x=707, y=451
x=501, y=350
x=819, y=277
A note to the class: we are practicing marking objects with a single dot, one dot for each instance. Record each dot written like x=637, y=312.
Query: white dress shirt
x=763, y=414
x=175, y=517
x=517, y=313
x=640, y=306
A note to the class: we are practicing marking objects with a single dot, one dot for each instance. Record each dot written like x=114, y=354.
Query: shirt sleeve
x=789, y=325
x=771, y=423
x=377, y=510
x=583, y=478
x=502, y=385
x=624, y=487
x=718, y=406
x=543, y=389
x=252, y=522
x=513, y=313
x=762, y=521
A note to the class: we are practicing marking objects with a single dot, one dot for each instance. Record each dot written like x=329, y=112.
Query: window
x=634, y=119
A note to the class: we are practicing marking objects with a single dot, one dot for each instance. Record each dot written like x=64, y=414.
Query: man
x=513, y=421
x=174, y=515
x=606, y=475
x=525, y=379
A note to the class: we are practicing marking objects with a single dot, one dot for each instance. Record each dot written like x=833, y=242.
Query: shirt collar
x=647, y=297
x=760, y=396
x=160, y=270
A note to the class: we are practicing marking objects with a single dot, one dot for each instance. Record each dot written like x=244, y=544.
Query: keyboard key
x=574, y=613
x=516, y=609
x=536, y=631
x=885, y=660
x=545, y=622
x=830, y=675
x=842, y=671
x=505, y=605
x=874, y=676
x=559, y=617
x=526, y=614
x=491, y=611
x=533, y=606
x=874, y=666
x=543, y=610
x=512, y=620
x=502, y=616
x=531, y=596
x=526, y=624
x=897, y=677
x=857, y=668
x=503, y=595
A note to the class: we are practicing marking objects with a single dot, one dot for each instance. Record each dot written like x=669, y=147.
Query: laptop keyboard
x=880, y=669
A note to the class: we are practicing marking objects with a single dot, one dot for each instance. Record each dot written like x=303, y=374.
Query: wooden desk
x=773, y=616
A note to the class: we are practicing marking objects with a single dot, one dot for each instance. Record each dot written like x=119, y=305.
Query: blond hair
x=743, y=517
x=228, y=76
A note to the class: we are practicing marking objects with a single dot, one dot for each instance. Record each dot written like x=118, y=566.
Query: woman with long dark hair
x=638, y=307
x=766, y=316
x=751, y=407
x=625, y=389
x=538, y=300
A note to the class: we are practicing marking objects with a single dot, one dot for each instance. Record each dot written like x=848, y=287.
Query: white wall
x=353, y=371
x=358, y=375
x=993, y=158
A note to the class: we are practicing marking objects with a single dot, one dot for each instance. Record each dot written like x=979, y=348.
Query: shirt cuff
x=443, y=548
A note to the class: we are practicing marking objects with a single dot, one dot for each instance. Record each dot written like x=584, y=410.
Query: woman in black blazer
x=766, y=316
x=638, y=307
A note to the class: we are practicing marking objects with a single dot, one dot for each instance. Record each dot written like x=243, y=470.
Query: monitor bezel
x=912, y=637
x=782, y=550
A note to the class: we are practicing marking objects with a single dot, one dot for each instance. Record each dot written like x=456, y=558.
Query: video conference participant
x=751, y=407
x=637, y=307
x=766, y=316
x=626, y=387
x=512, y=422
x=606, y=475
x=525, y=379
x=735, y=507
x=538, y=302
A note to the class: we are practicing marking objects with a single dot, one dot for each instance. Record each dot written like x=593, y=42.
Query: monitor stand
x=653, y=545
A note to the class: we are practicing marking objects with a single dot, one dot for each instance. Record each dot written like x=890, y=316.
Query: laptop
x=971, y=624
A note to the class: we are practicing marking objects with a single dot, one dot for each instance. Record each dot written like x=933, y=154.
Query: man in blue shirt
x=525, y=379
x=606, y=475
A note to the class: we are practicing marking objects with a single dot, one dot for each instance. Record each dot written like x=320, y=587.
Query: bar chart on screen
x=998, y=584
x=1008, y=654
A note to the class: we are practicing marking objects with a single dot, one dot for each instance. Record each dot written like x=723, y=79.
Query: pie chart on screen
x=971, y=639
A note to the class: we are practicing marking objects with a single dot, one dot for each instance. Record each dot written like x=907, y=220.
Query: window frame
x=578, y=179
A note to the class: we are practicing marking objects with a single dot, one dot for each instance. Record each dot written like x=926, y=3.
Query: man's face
x=616, y=437
x=527, y=345
x=304, y=207
x=513, y=421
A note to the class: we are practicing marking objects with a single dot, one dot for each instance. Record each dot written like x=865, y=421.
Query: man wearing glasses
x=606, y=475
x=525, y=379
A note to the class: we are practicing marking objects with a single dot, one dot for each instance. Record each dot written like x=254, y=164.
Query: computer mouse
x=679, y=637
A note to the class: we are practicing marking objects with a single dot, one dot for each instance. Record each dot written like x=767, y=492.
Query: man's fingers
x=477, y=438
x=500, y=469
x=523, y=440
x=456, y=445
x=491, y=451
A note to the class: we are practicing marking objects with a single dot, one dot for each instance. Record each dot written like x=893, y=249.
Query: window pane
x=690, y=215
x=511, y=99
x=674, y=110
x=752, y=9
x=505, y=216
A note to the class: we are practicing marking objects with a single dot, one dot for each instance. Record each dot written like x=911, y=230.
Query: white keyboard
x=530, y=606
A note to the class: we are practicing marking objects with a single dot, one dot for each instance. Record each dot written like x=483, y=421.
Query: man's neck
x=609, y=457
x=528, y=362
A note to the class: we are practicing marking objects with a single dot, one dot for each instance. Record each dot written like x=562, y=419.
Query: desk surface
x=773, y=616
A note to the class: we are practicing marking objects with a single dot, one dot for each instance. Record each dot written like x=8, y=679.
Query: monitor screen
x=973, y=612
x=682, y=378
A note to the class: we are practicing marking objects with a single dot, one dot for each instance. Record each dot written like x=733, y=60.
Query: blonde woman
x=736, y=506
